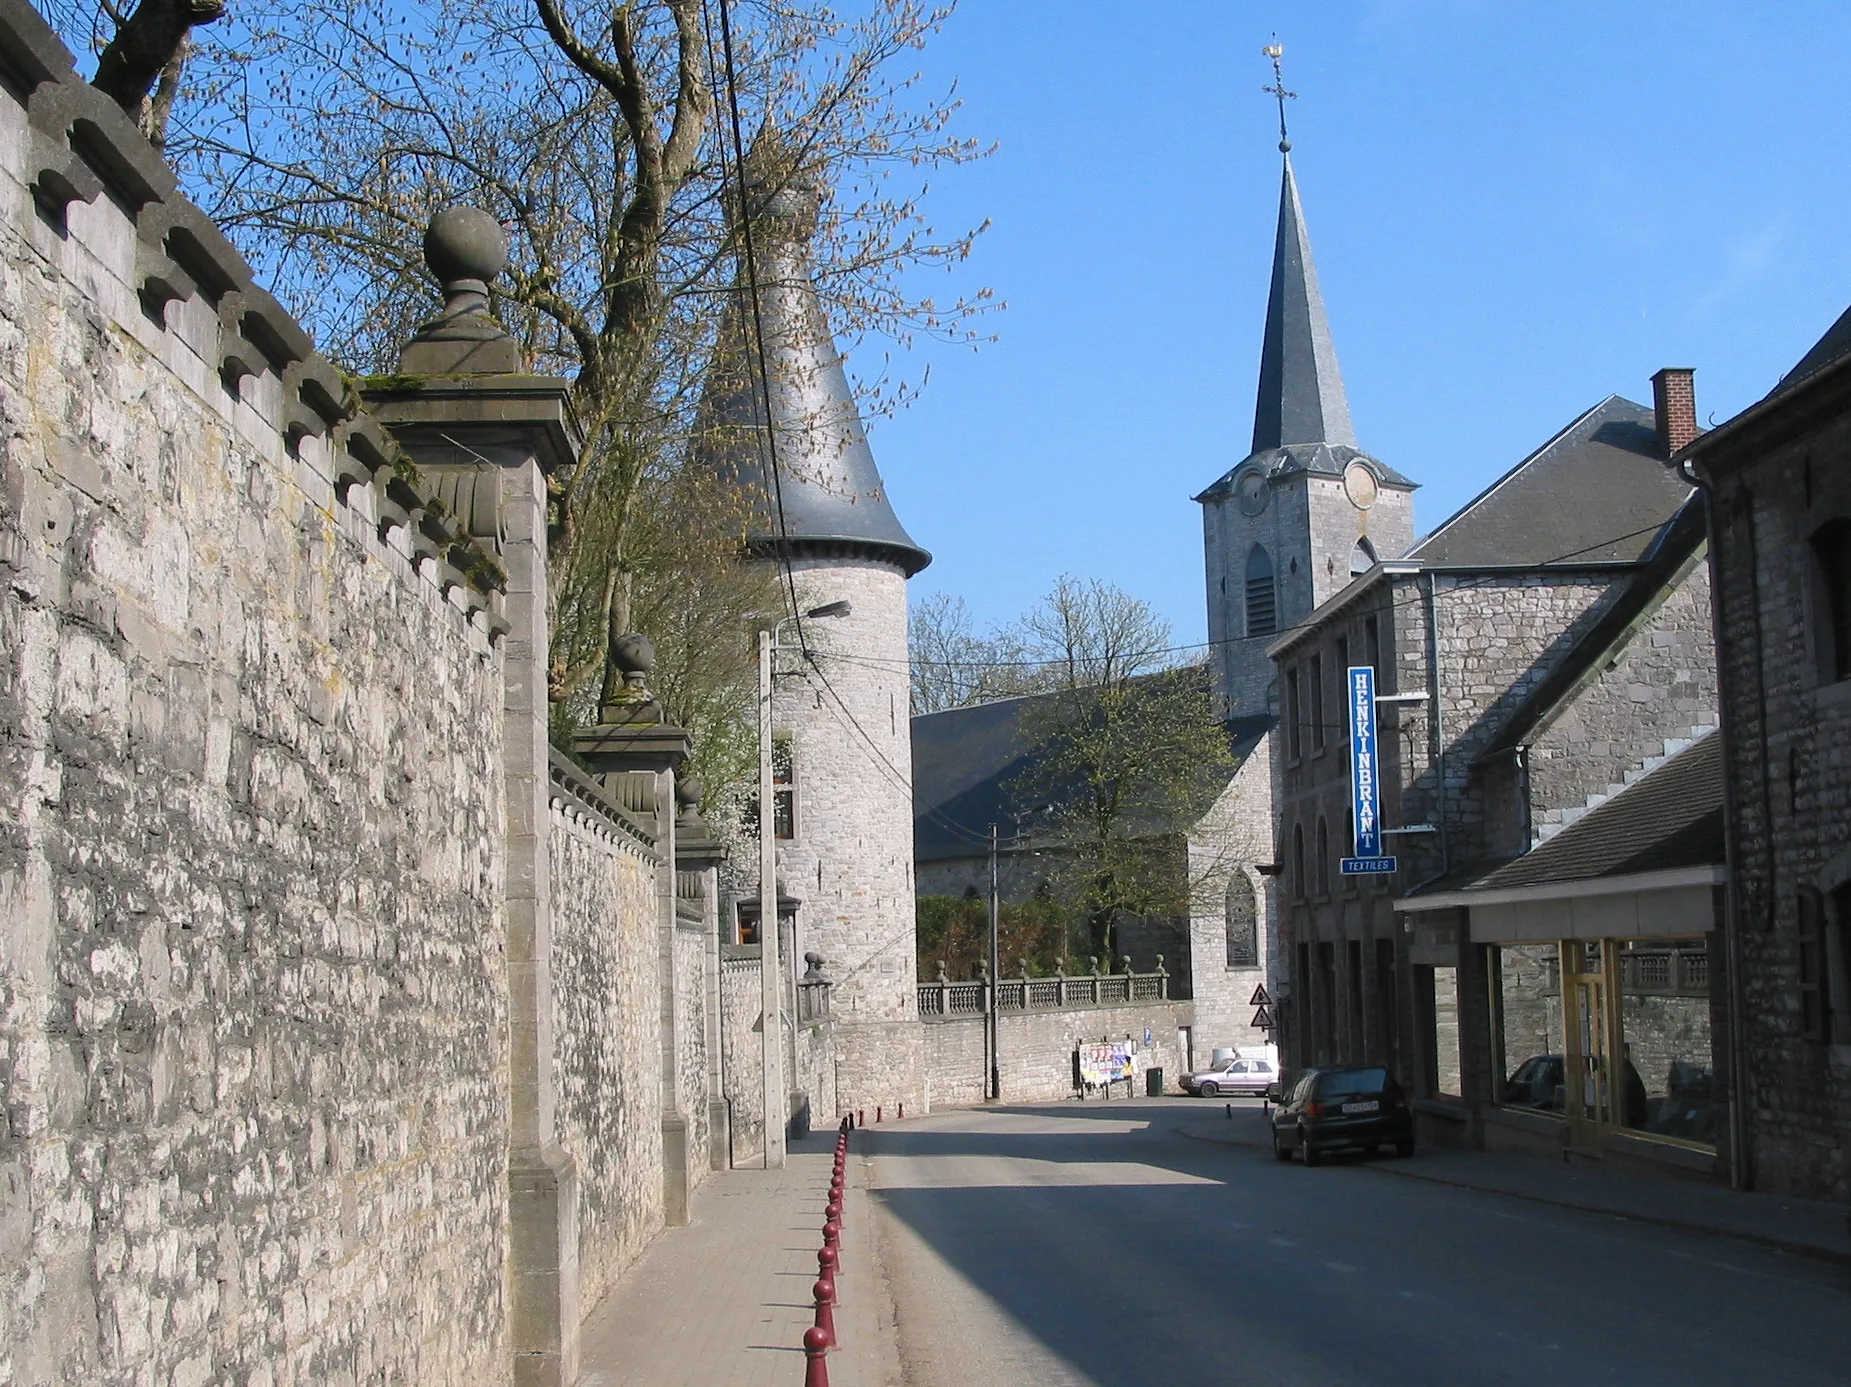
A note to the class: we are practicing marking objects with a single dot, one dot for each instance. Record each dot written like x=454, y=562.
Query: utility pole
x=996, y=1072
x=771, y=1023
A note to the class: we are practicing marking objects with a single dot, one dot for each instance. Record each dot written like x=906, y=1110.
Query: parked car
x=1232, y=1076
x=1353, y=1106
x=1536, y=1083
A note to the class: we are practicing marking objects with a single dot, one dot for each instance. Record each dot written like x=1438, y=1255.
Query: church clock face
x=1359, y=485
x=1250, y=491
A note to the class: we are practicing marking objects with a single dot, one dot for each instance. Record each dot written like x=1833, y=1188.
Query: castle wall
x=253, y=997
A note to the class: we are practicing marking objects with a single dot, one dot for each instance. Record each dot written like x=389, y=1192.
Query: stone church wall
x=253, y=997
x=1236, y=835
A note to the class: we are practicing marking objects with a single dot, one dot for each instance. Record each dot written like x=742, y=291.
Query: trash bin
x=1153, y=1083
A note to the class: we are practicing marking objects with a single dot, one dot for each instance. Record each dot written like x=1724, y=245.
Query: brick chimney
x=1674, y=401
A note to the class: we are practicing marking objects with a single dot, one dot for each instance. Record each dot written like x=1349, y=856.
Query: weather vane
x=1276, y=50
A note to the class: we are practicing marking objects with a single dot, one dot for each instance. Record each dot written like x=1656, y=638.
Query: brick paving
x=725, y=1301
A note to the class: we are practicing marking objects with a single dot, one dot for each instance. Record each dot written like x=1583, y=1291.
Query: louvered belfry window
x=1262, y=598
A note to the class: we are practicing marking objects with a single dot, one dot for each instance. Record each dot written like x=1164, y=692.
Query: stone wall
x=741, y=1053
x=606, y=1042
x=1036, y=1048
x=253, y=996
x=1788, y=724
x=693, y=943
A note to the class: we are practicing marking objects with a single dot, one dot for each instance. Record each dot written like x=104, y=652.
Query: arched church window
x=1243, y=923
x=1362, y=557
x=1262, y=599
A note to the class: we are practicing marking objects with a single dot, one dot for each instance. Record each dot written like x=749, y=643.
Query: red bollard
x=826, y=1262
x=833, y=1209
x=816, y=1358
x=902, y=1112
x=825, y=1292
x=877, y=1112
x=832, y=1238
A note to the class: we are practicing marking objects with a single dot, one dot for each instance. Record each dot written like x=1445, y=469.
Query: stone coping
x=80, y=148
x=571, y=785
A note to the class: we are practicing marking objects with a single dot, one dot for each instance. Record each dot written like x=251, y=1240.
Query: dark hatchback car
x=1360, y=1107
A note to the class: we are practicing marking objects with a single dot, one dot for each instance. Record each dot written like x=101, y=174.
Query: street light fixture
x=771, y=1022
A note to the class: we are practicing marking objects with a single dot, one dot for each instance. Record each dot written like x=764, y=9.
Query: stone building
x=1778, y=479
x=1537, y=653
x=348, y=1031
x=820, y=511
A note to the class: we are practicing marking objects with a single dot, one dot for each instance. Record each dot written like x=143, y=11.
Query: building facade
x=1778, y=478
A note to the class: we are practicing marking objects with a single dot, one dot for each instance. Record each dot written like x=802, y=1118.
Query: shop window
x=1359, y=1046
x=1298, y=861
x=1815, y=995
x=1327, y=1004
x=1446, y=1032
x=1666, y=1071
x=1243, y=923
x=1323, y=857
x=1262, y=596
x=1831, y=547
x=1317, y=703
x=1529, y=996
x=1388, y=1004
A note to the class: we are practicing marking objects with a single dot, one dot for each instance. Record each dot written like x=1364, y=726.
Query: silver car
x=1232, y=1076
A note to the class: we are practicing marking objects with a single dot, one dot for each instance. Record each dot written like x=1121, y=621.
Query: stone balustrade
x=944, y=998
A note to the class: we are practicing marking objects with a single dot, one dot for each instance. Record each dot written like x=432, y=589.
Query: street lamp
x=771, y=1021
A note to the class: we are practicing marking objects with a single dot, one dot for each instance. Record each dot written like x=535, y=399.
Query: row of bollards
x=859, y=1117
x=821, y=1337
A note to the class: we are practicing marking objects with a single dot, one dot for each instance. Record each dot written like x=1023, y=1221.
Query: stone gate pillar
x=485, y=435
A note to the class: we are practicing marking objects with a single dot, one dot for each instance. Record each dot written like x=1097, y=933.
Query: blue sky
x=1516, y=211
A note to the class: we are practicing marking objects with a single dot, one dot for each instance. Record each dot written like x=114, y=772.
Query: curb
x=1831, y=1255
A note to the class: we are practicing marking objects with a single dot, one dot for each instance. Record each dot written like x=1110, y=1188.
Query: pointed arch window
x=1362, y=557
x=1243, y=923
x=1262, y=597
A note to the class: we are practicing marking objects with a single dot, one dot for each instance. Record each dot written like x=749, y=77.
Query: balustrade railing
x=1023, y=993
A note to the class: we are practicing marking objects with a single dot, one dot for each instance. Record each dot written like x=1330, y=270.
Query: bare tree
x=952, y=666
x=602, y=133
x=1127, y=754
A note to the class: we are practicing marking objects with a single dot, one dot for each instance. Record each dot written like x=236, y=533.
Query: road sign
x=1365, y=799
x=1366, y=866
x=1259, y=997
x=1262, y=1020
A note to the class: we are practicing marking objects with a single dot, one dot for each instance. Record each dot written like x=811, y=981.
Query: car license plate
x=1370, y=1106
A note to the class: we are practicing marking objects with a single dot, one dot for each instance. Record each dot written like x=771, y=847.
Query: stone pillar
x=485, y=435
x=697, y=851
x=632, y=739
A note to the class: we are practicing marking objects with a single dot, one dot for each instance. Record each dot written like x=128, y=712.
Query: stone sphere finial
x=465, y=248
x=633, y=654
x=688, y=793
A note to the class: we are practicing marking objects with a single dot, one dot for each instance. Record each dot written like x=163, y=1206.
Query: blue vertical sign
x=1365, y=791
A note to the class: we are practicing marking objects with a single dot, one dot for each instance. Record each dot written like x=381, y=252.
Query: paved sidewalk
x=1806, y=1227
x=725, y=1300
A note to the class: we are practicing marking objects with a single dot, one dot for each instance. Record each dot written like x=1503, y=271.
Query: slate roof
x=1835, y=344
x=1667, y=819
x=1597, y=493
x=965, y=759
x=828, y=488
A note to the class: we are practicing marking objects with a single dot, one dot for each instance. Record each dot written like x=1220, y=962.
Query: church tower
x=841, y=728
x=1307, y=509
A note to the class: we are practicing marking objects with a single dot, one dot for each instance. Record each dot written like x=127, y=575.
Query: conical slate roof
x=828, y=497
x=1301, y=417
x=1301, y=397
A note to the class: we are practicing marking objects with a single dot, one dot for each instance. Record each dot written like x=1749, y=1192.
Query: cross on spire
x=1276, y=51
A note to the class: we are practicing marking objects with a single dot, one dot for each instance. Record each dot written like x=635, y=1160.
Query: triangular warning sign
x=1259, y=997
x=1262, y=1020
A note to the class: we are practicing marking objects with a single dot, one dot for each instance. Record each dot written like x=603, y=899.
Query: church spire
x=1301, y=397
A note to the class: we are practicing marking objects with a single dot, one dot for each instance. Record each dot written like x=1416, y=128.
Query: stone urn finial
x=464, y=249
x=688, y=793
x=626, y=689
x=942, y=977
x=1126, y=960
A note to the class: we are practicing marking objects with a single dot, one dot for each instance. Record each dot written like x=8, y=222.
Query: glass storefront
x=1610, y=1034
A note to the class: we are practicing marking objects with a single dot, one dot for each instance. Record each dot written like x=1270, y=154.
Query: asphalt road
x=1095, y=1245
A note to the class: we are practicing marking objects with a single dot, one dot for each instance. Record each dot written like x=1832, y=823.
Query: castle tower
x=1307, y=509
x=840, y=704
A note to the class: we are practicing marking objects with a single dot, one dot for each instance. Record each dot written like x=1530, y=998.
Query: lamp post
x=771, y=1020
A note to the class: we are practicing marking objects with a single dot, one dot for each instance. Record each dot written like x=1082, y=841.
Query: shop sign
x=1365, y=791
